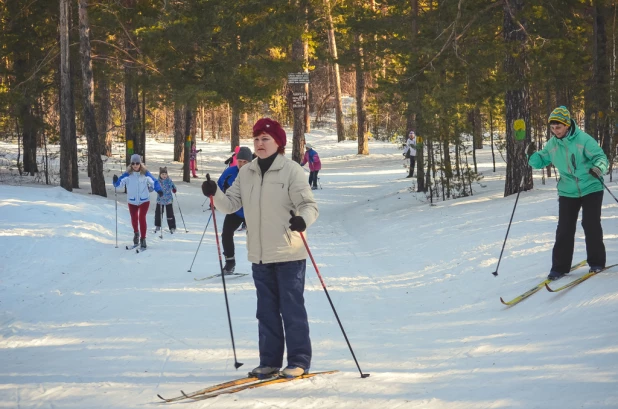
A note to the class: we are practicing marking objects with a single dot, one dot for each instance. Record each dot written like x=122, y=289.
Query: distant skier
x=269, y=189
x=315, y=165
x=409, y=152
x=138, y=180
x=193, y=158
x=233, y=220
x=166, y=200
x=581, y=163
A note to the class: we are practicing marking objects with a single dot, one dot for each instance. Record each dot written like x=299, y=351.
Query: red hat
x=272, y=128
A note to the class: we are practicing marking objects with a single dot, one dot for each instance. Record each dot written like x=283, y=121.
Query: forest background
x=463, y=74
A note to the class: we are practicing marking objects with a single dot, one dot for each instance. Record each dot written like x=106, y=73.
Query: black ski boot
x=142, y=243
x=230, y=265
x=136, y=238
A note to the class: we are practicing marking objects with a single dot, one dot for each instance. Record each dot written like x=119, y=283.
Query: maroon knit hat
x=272, y=128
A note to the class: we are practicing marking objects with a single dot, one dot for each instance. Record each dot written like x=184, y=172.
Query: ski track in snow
x=86, y=325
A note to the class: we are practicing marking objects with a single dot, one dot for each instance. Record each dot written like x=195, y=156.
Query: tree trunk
x=298, y=57
x=131, y=109
x=66, y=173
x=143, y=124
x=361, y=96
x=336, y=78
x=97, y=181
x=103, y=113
x=179, y=133
x=202, y=122
x=235, y=131
x=516, y=99
x=601, y=77
x=188, y=119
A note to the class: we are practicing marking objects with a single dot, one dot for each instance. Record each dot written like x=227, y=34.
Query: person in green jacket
x=582, y=164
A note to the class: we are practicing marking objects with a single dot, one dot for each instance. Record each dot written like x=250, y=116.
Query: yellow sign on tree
x=520, y=129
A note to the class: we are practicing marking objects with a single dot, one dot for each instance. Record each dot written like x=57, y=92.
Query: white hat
x=308, y=146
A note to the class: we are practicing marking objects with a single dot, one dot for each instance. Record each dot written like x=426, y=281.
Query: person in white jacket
x=269, y=190
x=138, y=180
x=409, y=152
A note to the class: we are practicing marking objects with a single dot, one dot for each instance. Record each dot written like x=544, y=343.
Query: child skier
x=581, y=163
x=138, y=180
x=166, y=200
x=233, y=220
x=315, y=165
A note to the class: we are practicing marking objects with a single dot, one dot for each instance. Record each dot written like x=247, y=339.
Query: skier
x=233, y=220
x=581, y=163
x=231, y=161
x=409, y=152
x=270, y=189
x=315, y=165
x=193, y=158
x=138, y=180
x=166, y=200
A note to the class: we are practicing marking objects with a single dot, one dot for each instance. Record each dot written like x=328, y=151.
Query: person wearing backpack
x=315, y=165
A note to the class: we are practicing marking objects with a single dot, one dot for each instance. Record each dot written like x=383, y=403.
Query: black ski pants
x=412, y=162
x=590, y=204
x=169, y=211
x=313, y=178
x=230, y=224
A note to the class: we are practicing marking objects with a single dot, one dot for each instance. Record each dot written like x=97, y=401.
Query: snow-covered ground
x=86, y=325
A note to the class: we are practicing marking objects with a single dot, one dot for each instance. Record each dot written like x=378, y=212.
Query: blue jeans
x=281, y=305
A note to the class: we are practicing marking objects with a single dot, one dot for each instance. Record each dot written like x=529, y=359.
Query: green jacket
x=574, y=155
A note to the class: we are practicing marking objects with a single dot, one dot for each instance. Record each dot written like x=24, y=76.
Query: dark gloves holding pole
x=297, y=223
x=531, y=149
x=160, y=193
x=209, y=187
x=596, y=172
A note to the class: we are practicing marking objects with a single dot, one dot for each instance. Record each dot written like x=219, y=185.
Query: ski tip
x=184, y=394
x=502, y=301
x=161, y=397
x=548, y=289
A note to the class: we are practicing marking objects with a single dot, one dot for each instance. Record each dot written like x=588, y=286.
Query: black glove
x=209, y=187
x=531, y=149
x=160, y=193
x=404, y=154
x=200, y=150
x=297, y=223
x=596, y=172
x=115, y=179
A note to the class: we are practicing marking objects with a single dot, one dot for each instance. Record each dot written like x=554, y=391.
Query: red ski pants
x=139, y=212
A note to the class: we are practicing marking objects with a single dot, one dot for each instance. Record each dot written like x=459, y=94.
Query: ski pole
x=183, y=219
x=198, y=246
x=605, y=186
x=161, y=222
x=227, y=305
x=204, y=202
x=315, y=266
x=116, y=201
x=521, y=186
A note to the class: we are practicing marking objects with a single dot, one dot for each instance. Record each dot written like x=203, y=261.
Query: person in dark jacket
x=233, y=220
x=165, y=202
x=582, y=164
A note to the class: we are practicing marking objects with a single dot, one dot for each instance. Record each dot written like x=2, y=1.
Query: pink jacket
x=234, y=159
x=312, y=157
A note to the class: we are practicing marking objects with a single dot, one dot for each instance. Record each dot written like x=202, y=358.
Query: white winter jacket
x=410, y=146
x=138, y=184
x=267, y=203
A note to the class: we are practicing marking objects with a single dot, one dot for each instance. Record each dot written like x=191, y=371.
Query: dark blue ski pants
x=281, y=306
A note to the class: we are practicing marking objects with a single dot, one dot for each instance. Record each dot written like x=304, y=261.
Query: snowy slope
x=86, y=325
